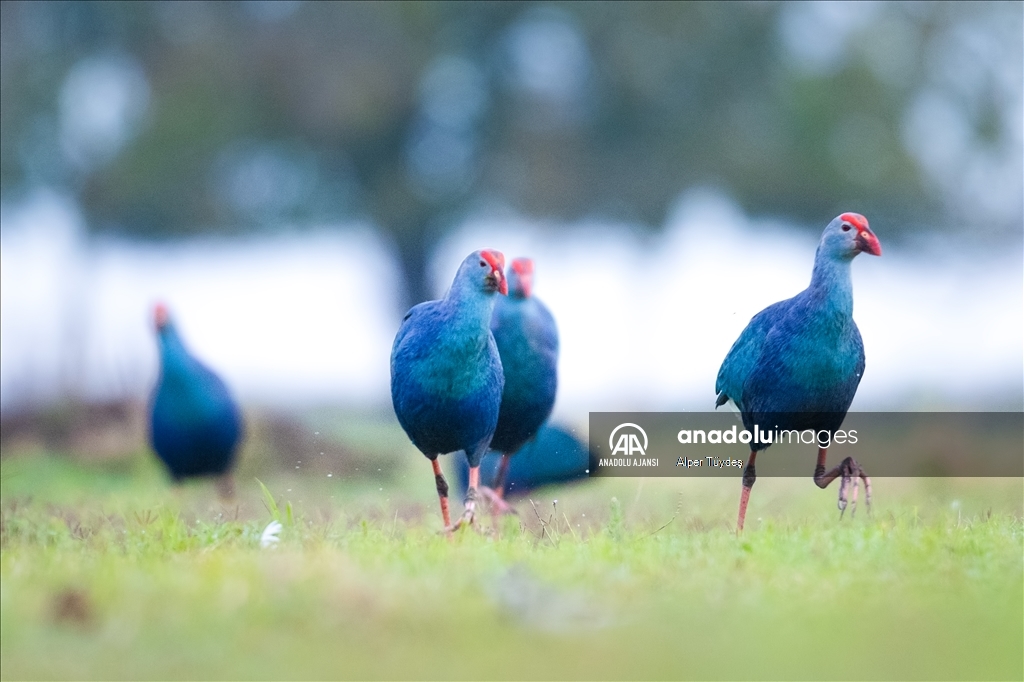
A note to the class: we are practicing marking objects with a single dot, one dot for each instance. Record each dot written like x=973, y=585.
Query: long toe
x=467, y=519
x=489, y=494
x=855, y=482
x=497, y=505
x=501, y=507
x=849, y=487
x=867, y=487
x=847, y=469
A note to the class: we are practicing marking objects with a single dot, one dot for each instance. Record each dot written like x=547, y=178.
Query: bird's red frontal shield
x=496, y=259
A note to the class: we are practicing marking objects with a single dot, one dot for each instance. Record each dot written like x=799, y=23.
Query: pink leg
x=442, y=492
x=749, y=476
x=471, y=494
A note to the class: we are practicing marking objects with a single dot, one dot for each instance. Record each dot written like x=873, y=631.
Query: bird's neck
x=831, y=285
x=174, y=358
x=472, y=308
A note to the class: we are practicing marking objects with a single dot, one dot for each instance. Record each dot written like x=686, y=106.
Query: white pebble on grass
x=269, y=537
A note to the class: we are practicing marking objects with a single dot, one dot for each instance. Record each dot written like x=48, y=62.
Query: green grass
x=108, y=573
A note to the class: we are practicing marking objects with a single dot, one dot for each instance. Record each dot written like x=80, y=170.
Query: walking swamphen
x=554, y=456
x=527, y=340
x=194, y=422
x=799, y=361
x=446, y=375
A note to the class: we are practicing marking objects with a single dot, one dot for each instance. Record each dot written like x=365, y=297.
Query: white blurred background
x=645, y=320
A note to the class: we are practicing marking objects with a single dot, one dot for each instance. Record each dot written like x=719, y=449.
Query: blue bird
x=554, y=456
x=446, y=375
x=798, y=363
x=194, y=423
x=527, y=340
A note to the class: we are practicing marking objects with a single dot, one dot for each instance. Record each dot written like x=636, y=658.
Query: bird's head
x=849, y=234
x=161, y=318
x=486, y=269
x=520, y=278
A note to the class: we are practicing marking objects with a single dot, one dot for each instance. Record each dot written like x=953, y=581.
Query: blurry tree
x=175, y=118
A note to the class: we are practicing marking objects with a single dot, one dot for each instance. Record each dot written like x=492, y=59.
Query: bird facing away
x=194, y=422
x=554, y=456
x=799, y=361
x=527, y=340
x=446, y=375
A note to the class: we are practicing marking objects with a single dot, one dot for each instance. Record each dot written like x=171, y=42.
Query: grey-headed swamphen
x=446, y=375
x=527, y=340
x=798, y=363
x=195, y=424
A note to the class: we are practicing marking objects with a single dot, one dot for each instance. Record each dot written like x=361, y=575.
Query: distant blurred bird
x=194, y=423
x=527, y=341
x=554, y=456
x=798, y=363
x=446, y=375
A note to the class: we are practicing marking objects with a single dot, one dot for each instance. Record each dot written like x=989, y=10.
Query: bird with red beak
x=527, y=339
x=798, y=363
x=446, y=374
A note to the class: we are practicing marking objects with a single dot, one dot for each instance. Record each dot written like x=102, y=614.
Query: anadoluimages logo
x=628, y=443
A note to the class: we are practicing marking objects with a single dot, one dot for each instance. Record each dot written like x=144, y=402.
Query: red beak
x=868, y=242
x=499, y=277
x=496, y=259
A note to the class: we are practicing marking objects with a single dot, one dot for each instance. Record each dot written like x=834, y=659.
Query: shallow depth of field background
x=291, y=176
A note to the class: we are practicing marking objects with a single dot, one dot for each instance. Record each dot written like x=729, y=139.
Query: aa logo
x=628, y=442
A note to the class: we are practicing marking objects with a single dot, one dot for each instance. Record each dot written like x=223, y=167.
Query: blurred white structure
x=645, y=320
x=294, y=318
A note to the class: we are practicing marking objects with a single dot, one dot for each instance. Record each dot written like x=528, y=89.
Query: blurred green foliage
x=255, y=116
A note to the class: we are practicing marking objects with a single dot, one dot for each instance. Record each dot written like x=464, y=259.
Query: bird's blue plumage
x=194, y=423
x=446, y=375
x=553, y=457
x=527, y=340
x=799, y=361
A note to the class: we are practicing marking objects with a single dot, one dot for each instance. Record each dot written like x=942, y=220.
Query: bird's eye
x=483, y=264
x=846, y=228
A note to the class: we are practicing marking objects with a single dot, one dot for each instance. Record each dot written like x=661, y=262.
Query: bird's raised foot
x=851, y=476
x=496, y=503
x=472, y=493
x=467, y=519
